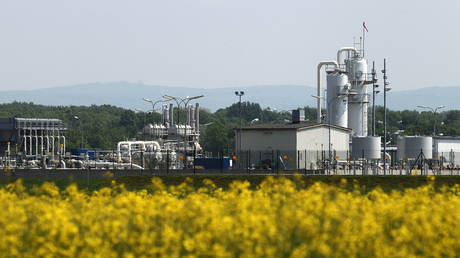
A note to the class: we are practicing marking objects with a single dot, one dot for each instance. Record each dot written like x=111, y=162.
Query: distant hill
x=280, y=97
x=431, y=96
x=129, y=95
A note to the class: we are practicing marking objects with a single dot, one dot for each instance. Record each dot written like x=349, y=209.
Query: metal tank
x=400, y=152
x=356, y=68
x=165, y=115
x=358, y=100
x=337, y=99
x=414, y=145
x=367, y=147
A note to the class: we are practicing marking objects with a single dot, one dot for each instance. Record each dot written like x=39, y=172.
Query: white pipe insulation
x=142, y=143
x=320, y=65
x=346, y=49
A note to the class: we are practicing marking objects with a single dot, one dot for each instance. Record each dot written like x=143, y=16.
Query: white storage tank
x=357, y=69
x=337, y=99
x=357, y=103
x=368, y=147
x=400, y=152
x=357, y=110
x=414, y=145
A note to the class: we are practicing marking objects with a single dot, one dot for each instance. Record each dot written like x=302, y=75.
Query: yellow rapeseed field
x=280, y=218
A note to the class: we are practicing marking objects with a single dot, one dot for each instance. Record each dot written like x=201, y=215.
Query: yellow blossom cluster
x=278, y=218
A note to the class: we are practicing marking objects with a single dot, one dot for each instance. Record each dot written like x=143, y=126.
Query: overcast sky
x=217, y=43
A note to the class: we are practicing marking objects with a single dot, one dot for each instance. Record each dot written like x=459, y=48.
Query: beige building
x=291, y=146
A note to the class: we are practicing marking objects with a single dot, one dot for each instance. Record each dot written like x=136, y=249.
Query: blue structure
x=213, y=163
x=78, y=152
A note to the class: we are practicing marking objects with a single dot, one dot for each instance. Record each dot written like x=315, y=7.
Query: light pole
x=153, y=104
x=374, y=91
x=385, y=89
x=141, y=111
x=240, y=94
x=434, y=110
x=81, y=130
x=178, y=101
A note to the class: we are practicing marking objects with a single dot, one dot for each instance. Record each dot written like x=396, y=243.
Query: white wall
x=268, y=140
x=312, y=139
x=301, y=148
x=448, y=149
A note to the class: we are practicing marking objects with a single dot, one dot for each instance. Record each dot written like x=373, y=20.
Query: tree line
x=105, y=125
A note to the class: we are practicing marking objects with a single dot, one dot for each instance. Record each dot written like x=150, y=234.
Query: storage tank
x=337, y=99
x=357, y=110
x=413, y=145
x=165, y=115
x=368, y=147
x=400, y=152
x=356, y=69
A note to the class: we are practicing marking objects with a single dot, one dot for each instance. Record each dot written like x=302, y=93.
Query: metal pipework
x=171, y=114
x=346, y=49
x=197, y=118
x=320, y=65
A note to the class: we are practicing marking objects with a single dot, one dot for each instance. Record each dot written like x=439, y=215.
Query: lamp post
x=385, y=89
x=81, y=131
x=374, y=91
x=141, y=111
x=240, y=94
x=179, y=101
x=434, y=110
x=153, y=104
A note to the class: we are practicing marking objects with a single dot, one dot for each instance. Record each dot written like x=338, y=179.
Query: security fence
x=252, y=161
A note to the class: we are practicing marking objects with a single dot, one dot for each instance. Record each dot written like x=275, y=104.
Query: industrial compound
x=338, y=141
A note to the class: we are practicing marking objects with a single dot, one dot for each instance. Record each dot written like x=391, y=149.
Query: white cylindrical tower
x=165, y=115
x=337, y=99
x=358, y=100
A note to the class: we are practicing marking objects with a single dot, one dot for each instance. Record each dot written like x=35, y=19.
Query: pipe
x=197, y=119
x=171, y=114
x=25, y=144
x=36, y=142
x=63, y=145
x=189, y=115
x=320, y=65
x=142, y=143
x=346, y=49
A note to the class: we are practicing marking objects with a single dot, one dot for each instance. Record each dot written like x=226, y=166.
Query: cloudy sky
x=217, y=43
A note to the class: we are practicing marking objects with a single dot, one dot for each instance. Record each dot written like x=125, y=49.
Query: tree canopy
x=103, y=126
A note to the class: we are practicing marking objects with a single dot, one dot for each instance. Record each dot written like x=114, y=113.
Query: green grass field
x=366, y=183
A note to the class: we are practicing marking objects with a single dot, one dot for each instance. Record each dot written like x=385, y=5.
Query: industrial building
x=291, y=146
x=447, y=150
x=33, y=136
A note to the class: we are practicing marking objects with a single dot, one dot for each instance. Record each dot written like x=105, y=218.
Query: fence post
x=167, y=161
x=194, y=157
x=298, y=159
x=305, y=161
x=248, y=161
x=222, y=163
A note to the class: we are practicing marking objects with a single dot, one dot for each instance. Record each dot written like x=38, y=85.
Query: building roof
x=446, y=137
x=290, y=126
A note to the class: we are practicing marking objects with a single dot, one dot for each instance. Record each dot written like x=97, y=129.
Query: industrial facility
x=338, y=142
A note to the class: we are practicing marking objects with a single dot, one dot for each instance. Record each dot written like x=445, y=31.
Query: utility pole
x=385, y=89
x=374, y=86
x=240, y=94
